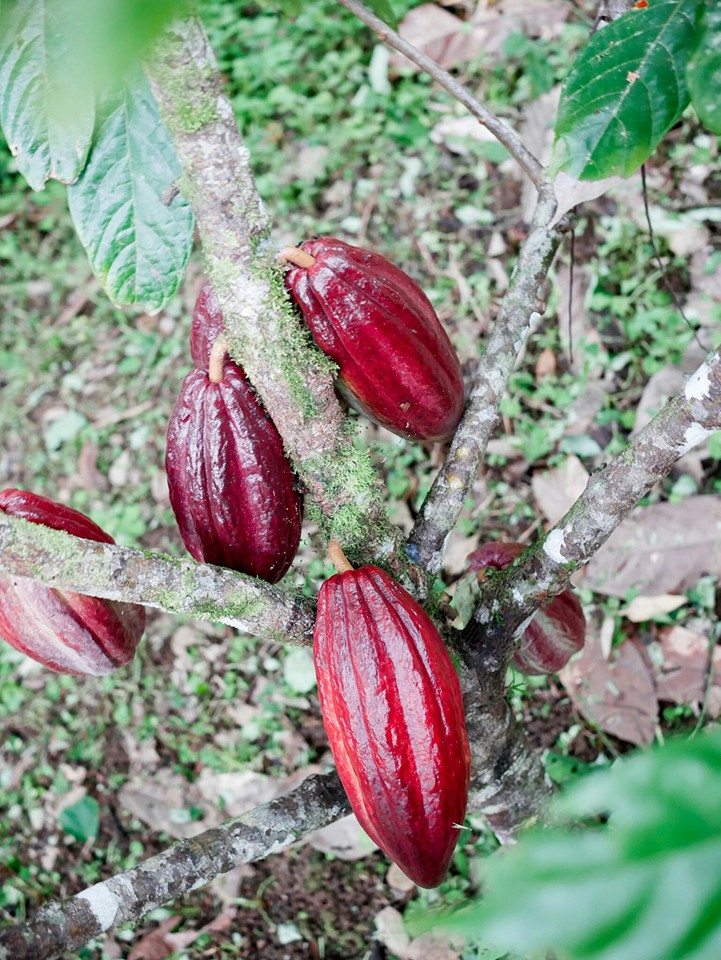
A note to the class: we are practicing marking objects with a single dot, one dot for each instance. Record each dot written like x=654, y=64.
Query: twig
x=519, y=308
x=188, y=864
x=199, y=591
x=500, y=130
x=544, y=570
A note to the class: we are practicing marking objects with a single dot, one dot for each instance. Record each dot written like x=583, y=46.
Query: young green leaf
x=643, y=886
x=704, y=70
x=625, y=90
x=137, y=238
x=384, y=10
x=46, y=114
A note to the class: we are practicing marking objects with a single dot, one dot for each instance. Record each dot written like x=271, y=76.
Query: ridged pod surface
x=393, y=711
x=396, y=364
x=231, y=487
x=206, y=327
x=557, y=631
x=66, y=632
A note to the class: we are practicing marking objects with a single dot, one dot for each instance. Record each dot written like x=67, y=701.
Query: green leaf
x=138, y=243
x=704, y=70
x=66, y=427
x=82, y=819
x=644, y=886
x=625, y=90
x=384, y=10
x=46, y=114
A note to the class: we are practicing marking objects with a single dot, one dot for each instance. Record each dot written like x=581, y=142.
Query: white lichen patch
x=694, y=435
x=517, y=596
x=698, y=386
x=554, y=546
x=104, y=904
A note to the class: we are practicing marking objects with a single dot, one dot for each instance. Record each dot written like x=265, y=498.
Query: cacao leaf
x=137, y=240
x=643, y=886
x=46, y=114
x=625, y=90
x=704, y=70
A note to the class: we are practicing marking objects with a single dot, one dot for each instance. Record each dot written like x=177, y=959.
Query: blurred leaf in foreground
x=645, y=885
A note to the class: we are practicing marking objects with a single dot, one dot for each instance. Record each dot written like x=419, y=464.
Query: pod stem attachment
x=216, y=360
x=337, y=557
x=297, y=256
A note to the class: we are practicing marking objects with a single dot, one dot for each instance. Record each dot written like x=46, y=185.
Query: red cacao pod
x=206, y=327
x=395, y=361
x=67, y=632
x=558, y=629
x=231, y=487
x=393, y=711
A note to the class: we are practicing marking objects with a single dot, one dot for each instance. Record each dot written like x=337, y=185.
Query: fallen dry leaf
x=641, y=609
x=546, y=365
x=154, y=946
x=345, y=839
x=440, y=35
x=555, y=491
x=681, y=667
x=664, y=548
x=618, y=695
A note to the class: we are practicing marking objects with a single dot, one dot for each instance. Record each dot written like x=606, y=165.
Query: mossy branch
x=196, y=590
x=293, y=378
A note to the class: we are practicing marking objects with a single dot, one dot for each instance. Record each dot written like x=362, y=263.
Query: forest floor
x=206, y=723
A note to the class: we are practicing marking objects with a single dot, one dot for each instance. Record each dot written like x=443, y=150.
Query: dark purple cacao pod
x=67, y=632
x=395, y=361
x=206, y=327
x=557, y=631
x=231, y=487
x=393, y=712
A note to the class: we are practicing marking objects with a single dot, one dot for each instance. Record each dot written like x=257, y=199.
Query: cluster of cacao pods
x=393, y=712
x=558, y=629
x=67, y=632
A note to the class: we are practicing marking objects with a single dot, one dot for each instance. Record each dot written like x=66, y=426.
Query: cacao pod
x=67, y=632
x=231, y=487
x=395, y=362
x=558, y=629
x=206, y=327
x=393, y=711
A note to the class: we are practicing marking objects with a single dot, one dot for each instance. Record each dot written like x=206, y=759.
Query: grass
x=87, y=390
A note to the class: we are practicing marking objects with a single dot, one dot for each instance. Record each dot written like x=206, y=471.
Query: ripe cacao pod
x=206, y=327
x=558, y=629
x=231, y=487
x=395, y=362
x=67, y=632
x=393, y=711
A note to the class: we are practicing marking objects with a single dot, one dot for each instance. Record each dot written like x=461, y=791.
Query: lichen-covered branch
x=500, y=130
x=292, y=377
x=513, y=595
x=509, y=785
x=197, y=590
x=188, y=864
x=519, y=309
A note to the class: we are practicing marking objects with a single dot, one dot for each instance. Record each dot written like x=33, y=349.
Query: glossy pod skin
x=557, y=631
x=395, y=361
x=66, y=632
x=393, y=712
x=231, y=487
x=206, y=327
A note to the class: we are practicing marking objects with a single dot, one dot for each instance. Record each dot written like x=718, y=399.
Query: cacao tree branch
x=265, y=336
x=500, y=130
x=197, y=590
x=513, y=595
x=520, y=310
x=188, y=864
